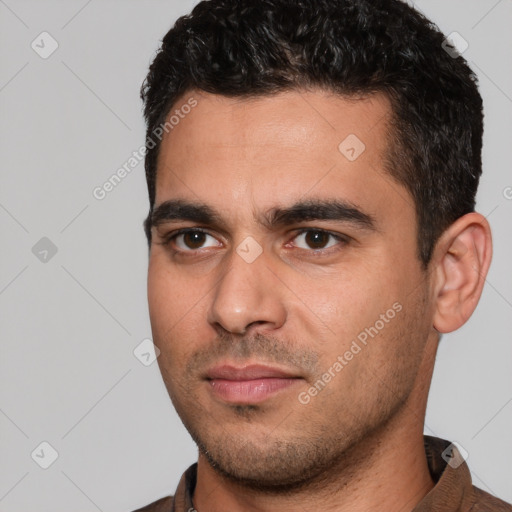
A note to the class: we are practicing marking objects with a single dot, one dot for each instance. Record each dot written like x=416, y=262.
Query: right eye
x=189, y=240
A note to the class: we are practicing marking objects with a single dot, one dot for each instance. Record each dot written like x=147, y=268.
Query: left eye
x=317, y=239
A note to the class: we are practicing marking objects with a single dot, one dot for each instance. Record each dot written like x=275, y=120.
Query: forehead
x=274, y=150
x=291, y=119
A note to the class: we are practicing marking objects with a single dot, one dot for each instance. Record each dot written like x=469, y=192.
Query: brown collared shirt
x=453, y=490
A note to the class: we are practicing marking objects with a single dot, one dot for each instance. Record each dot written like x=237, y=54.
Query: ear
x=462, y=259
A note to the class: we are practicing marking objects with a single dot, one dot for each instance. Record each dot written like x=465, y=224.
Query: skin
x=301, y=303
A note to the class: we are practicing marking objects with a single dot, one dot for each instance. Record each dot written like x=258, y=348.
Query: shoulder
x=161, y=505
x=485, y=502
x=181, y=499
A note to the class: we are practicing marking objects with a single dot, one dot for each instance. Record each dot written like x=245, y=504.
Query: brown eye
x=190, y=240
x=318, y=239
x=194, y=239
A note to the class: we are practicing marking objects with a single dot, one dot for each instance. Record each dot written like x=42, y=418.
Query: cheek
x=353, y=300
x=169, y=293
x=365, y=315
x=168, y=303
x=160, y=295
x=176, y=309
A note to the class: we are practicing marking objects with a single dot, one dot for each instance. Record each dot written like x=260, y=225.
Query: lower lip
x=248, y=391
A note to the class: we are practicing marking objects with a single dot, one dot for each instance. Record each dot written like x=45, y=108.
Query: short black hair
x=251, y=48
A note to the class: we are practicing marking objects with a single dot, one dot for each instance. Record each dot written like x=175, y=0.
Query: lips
x=250, y=384
x=250, y=372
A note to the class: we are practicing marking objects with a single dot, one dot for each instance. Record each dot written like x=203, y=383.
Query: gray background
x=69, y=325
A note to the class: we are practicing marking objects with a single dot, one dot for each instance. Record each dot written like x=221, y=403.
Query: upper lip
x=250, y=372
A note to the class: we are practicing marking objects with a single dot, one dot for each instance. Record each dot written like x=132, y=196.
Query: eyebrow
x=309, y=210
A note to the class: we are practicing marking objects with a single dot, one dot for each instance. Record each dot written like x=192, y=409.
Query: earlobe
x=463, y=258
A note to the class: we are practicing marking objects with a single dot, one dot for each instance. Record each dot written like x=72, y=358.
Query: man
x=312, y=169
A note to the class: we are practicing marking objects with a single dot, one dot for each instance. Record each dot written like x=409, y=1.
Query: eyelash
x=344, y=239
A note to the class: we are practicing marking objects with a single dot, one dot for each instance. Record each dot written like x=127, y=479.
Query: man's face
x=333, y=296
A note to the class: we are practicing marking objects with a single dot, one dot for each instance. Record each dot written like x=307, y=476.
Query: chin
x=275, y=467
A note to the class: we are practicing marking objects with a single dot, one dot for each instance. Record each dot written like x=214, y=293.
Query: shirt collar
x=453, y=487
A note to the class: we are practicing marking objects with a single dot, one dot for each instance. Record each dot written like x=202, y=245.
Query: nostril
x=257, y=322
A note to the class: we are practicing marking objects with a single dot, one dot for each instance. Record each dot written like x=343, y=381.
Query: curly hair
x=251, y=48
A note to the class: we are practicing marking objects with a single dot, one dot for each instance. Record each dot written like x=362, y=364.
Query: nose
x=247, y=295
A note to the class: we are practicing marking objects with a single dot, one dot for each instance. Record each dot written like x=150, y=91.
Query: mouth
x=249, y=384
